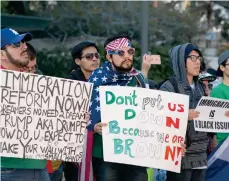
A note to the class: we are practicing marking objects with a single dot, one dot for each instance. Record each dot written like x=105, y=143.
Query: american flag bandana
x=103, y=76
x=118, y=44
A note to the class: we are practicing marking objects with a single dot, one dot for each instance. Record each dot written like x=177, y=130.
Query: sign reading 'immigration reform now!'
x=212, y=115
x=42, y=117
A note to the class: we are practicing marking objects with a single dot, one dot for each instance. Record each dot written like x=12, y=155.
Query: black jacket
x=77, y=75
x=70, y=169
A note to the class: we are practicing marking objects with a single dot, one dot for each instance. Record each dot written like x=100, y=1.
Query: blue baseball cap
x=10, y=36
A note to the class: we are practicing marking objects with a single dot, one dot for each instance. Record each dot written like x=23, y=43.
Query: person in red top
x=14, y=57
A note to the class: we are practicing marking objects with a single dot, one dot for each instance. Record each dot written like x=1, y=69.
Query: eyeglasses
x=121, y=53
x=194, y=58
x=89, y=56
x=209, y=86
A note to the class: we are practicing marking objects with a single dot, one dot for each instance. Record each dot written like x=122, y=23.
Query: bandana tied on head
x=118, y=44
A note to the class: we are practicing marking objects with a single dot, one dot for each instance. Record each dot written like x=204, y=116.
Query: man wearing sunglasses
x=186, y=62
x=222, y=90
x=14, y=57
x=116, y=71
x=85, y=59
x=13, y=49
x=207, y=80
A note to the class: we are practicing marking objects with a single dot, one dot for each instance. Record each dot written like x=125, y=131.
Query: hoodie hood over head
x=178, y=56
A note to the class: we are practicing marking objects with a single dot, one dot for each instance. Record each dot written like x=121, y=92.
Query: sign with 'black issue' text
x=212, y=116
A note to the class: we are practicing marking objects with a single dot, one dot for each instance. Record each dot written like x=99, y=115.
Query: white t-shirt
x=192, y=86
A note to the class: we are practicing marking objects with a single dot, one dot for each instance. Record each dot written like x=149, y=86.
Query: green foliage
x=163, y=71
x=4, y=5
x=168, y=26
x=156, y=72
x=225, y=31
x=107, y=18
x=55, y=63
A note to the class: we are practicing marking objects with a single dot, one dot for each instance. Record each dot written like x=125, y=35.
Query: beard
x=18, y=62
x=120, y=68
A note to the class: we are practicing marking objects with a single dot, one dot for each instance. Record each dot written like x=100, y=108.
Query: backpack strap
x=141, y=81
x=173, y=81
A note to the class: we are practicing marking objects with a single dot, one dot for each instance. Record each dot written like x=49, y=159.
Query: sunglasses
x=210, y=86
x=121, y=53
x=15, y=45
x=89, y=56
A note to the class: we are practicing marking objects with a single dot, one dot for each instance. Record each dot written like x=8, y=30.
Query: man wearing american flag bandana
x=117, y=70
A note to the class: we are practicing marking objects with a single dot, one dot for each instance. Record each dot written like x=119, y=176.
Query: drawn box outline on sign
x=74, y=83
x=114, y=88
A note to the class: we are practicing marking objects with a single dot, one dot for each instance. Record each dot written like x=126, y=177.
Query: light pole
x=144, y=28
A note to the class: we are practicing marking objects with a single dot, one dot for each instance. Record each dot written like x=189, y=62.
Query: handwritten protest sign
x=145, y=127
x=212, y=115
x=42, y=117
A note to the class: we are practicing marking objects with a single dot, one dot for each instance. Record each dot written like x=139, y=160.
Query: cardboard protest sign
x=42, y=117
x=212, y=115
x=145, y=127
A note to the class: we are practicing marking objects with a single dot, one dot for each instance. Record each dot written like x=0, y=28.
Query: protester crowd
x=190, y=77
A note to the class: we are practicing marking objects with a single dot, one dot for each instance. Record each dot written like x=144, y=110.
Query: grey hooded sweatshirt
x=196, y=142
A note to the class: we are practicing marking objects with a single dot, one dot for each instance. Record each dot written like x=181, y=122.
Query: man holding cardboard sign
x=14, y=57
x=186, y=60
x=116, y=71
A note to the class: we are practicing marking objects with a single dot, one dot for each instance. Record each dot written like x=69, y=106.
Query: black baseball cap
x=77, y=50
